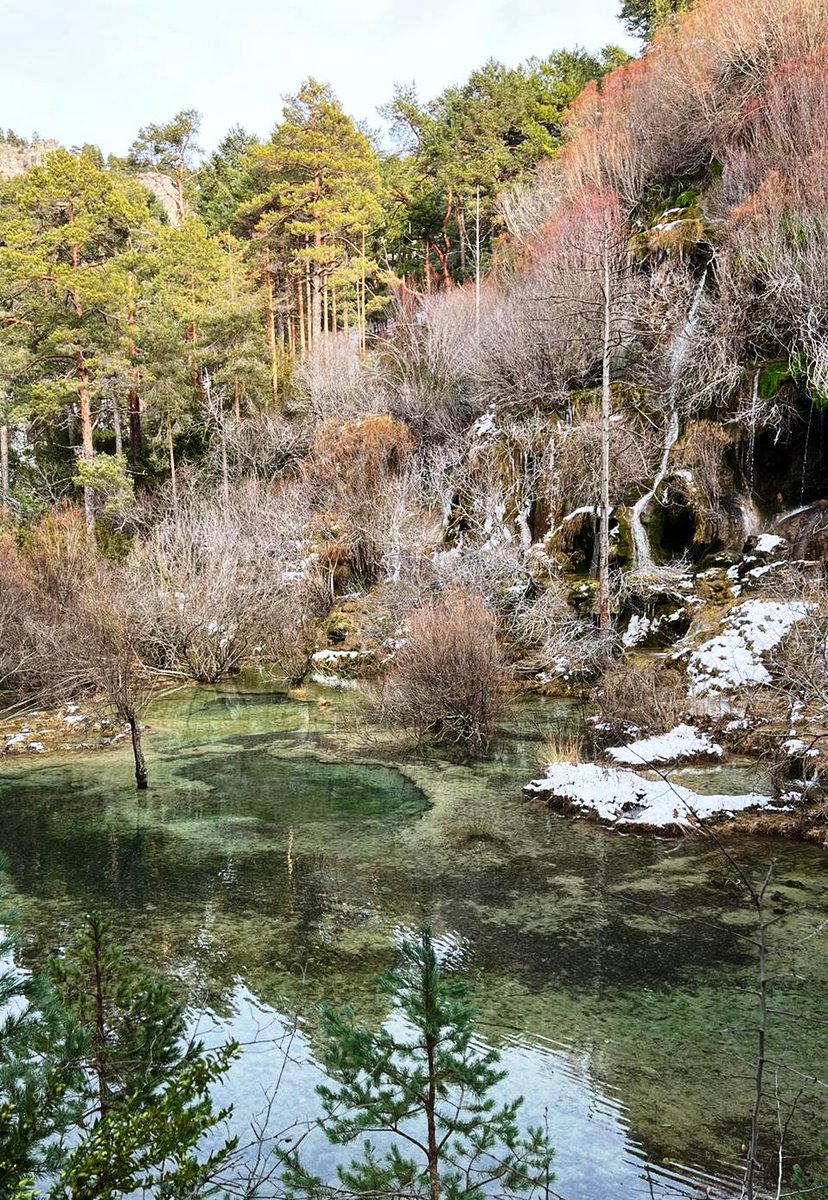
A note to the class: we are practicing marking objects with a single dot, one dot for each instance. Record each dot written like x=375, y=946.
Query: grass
x=562, y=746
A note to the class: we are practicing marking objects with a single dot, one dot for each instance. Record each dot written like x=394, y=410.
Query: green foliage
x=107, y=474
x=99, y=1091
x=41, y=1082
x=428, y=1085
x=225, y=182
x=771, y=377
x=643, y=18
x=811, y=1184
x=470, y=142
x=169, y=146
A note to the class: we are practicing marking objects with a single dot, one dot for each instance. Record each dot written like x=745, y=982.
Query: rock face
x=14, y=160
x=164, y=190
x=807, y=531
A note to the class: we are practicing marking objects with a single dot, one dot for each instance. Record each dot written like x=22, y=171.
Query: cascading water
x=805, y=456
x=680, y=348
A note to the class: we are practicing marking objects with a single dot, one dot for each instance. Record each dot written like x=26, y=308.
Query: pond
x=279, y=853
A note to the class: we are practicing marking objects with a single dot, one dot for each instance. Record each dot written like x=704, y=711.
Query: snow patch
x=623, y=797
x=733, y=658
x=681, y=743
x=766, y=543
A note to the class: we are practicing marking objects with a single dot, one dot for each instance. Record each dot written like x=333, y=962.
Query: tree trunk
x=116, y=426
x=363, y=305
x=99, y=1035
x=301, y=306
x=270, y=315
x=316, y=298
x=141, y=776
x=87, y=445
x=606, y=412
x=461, y=230
x=477, y=263
x=4, y=469
x=173, y=471
x=135, y=440
x=431, y=1103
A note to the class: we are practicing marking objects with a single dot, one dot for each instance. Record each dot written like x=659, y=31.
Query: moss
x=771, y=377
x=337, y=627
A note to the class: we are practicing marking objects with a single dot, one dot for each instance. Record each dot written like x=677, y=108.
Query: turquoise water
x=280, y=852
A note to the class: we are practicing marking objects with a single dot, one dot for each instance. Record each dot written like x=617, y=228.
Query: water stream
x=271, y=865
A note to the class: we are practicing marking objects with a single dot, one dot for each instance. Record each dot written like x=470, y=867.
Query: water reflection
x=266, y=869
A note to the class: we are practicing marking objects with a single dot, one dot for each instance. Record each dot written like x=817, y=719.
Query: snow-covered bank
x=734, y=658
x=623, y=797
x=679, y=745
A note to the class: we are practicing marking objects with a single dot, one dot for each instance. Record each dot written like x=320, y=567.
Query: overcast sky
x=96, y=70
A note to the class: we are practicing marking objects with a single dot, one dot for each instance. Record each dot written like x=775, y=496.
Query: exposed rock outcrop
x=164, y=190
x=15, y=160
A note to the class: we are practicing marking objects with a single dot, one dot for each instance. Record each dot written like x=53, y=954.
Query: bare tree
x=94, y=650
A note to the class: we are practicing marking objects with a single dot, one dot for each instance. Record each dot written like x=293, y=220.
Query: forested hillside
x=530, y=397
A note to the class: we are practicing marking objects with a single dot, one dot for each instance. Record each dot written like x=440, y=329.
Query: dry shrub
x=58, y=555
x=18, y=636
x=353, y=476
x=334, y=384
x=429, y=363
x=446, y=683
x=576, y=650
x=650, y=699
x=220, y=583
x=563, y=746
x=662, y=115
x=263, y=446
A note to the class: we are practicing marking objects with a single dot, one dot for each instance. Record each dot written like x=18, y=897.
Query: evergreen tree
x=318, y=198
x=461, y=149
x=170, y=147
x=62, y=280
x=148, y=1103
x=225, y=181
x=429, y=1086
x=41, y=1081
x=643, y=18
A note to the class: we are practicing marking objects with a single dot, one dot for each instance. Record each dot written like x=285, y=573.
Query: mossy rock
x=337, y=627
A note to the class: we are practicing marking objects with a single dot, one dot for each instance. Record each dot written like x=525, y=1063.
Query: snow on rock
x=733, y=658
x=767, y=543
x=484, y=427
x=622, y=797
x=681, y=743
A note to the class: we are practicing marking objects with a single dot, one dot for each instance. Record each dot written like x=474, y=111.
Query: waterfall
x=676, y=358
x=754, y=407
x=805, y=456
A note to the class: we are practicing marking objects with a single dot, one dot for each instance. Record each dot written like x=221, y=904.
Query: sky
x=96, y=70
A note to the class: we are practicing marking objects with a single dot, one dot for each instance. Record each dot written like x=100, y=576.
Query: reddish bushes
x=665, y=114
x=446, y=681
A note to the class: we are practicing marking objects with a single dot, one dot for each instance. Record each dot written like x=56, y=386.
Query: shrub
x=446, y=682
x=646, y=699
x=220, y=583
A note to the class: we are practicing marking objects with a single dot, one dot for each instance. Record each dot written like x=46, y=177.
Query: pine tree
x=429, y=1087
x=62, y=279
x=170, y=148
x=41, y=1081
x=318, y=181
x=148, y=1104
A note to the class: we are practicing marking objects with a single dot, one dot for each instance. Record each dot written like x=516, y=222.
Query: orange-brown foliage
x=664, y=114
x=361, y=453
